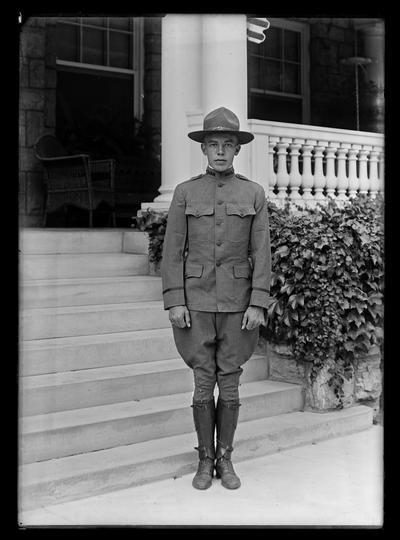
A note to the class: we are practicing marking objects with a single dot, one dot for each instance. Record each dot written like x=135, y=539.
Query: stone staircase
x=104, y=397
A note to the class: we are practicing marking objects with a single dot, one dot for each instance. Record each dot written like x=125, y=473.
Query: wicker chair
x=75, y=179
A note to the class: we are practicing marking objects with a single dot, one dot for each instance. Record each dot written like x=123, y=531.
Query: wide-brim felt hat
x=221, y=120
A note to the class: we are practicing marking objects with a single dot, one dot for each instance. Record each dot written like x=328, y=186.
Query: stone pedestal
x=364, y=386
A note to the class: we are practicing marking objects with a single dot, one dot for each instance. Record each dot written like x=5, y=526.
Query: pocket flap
x=242, y=270
x=193, y=270
x=240, y=209
x=199, y=209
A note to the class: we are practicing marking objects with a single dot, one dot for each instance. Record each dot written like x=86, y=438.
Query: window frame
x=304, y=31
x=137, y=53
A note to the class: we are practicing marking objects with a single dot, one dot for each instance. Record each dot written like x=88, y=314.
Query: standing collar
x=224, y=174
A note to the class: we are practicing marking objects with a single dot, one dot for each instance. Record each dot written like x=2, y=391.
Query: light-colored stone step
x=55, y=435
x=41, y=394
x=43, y=323
x=85, y=352
x=84, y=291
x=102, y=471
x=69, y=265
x=42, y=241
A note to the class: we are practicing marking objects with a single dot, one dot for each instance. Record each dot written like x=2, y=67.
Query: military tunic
x=216, y=253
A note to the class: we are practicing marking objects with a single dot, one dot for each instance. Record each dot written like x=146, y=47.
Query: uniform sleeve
x=173, y=253
x=260, y=253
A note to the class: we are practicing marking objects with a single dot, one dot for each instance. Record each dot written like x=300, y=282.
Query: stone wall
x=38, y=78
x=363, y=387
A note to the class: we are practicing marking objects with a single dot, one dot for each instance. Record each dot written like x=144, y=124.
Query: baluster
x=331, y=180
x=353, y=179
x=282, y=176
x=373, y=172
x=342, y=180
x=363, y=169
x=307, y=179
x=319, y=178
x=272, y=175
x=382, y=172
x=295, y=176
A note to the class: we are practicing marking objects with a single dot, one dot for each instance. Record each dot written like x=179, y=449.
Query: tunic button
x=220, y=202
x=220, y=184
x=218, y=263
x=219, y=243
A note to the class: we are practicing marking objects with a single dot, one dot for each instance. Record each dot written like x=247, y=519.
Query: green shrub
x=154, y=224
x=327, y=283
x=327, y=280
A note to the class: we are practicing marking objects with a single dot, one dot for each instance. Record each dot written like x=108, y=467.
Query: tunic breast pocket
x=200, y=218
x=238, y=221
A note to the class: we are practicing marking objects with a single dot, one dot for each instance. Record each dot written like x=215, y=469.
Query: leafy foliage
x=154, y=224
x=328, y=282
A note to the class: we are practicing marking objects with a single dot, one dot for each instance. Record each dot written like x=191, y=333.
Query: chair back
x=48, y=146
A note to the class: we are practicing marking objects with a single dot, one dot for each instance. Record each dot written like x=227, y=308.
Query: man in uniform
x=216, y=271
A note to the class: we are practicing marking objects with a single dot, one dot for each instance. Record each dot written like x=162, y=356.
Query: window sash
x=303, y=64
x=135, y=54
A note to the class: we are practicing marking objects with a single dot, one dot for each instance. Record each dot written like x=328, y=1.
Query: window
x=278, y=73
x=100, y=82
x=112, y=44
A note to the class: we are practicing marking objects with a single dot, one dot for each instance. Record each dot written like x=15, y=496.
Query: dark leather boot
x=204, y=421
x=227, y=417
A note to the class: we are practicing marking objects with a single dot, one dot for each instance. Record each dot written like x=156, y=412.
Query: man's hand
x=179, y=316
x=253, y=317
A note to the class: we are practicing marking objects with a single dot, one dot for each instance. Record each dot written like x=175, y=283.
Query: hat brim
x=244, y=137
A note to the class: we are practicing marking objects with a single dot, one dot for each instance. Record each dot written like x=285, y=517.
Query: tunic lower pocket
x=242, y=282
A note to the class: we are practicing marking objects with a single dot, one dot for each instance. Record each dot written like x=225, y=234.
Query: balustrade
x=309, y=164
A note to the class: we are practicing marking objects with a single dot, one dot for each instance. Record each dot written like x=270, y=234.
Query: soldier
x=216, y=270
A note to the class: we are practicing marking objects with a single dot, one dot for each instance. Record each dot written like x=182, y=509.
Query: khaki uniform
x=216, y=254
x=217, y=262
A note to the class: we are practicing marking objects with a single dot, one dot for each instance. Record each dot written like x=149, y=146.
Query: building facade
x=131, y=88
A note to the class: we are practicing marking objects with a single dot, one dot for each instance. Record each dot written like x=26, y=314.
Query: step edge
x=165, y=365
x=148, y=406
x=174, y=441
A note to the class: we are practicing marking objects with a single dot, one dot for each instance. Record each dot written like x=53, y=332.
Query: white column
x=319, y=178
x=307, y=181
x=363, y=169
x=224, y=72
x=181, y=92
x=354, y=182
x=330, y=177
x=342, y=180
x=294, y=175
x=282, y=176
x=259, y=161
x=374, y=183
x=272, y=142
x=382, y=171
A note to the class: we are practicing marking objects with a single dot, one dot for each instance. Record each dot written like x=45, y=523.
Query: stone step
x=47, y=241
x=103, y=471
x=74, y=265
x=84, y=291
x=43, y=323
x=85, y=352
x=41, y=394
x=59, y=434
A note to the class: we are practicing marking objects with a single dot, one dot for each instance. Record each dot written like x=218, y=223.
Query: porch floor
x=333, y=482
